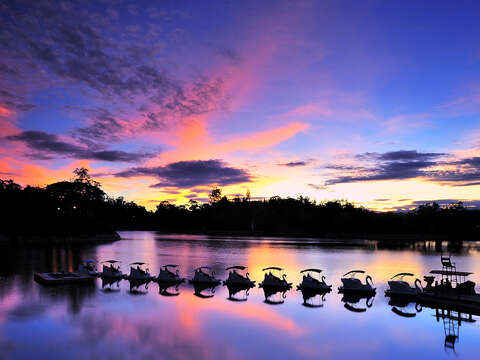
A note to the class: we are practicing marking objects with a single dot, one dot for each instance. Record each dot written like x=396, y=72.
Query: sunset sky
x=377, y=102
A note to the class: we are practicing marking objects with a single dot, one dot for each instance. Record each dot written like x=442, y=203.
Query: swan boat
x=312, y=281
x=353, y=285
x=399, y=287
x=204, y=277
x=168, y=276
x=275, y=281
x=236, y=278
x=88, y=267
x=112, y=270
x=139, y=272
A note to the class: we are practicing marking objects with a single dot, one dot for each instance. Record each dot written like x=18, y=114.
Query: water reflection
x=238, y=293
x=353, y=302
x=110, y=284
x=74, y=295
x=168, y=289
x=314, y=298
x=203, y=290
x=274, y=296
x=95, y=322
x=452, y=320
x=138, y=286
x=404, y=307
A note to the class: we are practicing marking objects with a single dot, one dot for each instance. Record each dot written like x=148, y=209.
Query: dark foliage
x=81, y=207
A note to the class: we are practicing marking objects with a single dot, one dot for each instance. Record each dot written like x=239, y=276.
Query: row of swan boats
x=313, y=280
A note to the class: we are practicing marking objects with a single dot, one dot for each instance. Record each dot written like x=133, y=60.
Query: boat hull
x=343, y=290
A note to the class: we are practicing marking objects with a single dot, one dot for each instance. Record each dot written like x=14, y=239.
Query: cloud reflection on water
x=87, y=322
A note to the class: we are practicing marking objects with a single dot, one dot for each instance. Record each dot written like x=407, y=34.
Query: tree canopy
x=81, y=206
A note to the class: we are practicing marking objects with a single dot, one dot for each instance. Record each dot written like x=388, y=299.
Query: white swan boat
x=168, y=276
x=236, y=278
x=312, y=281
x=112, y=270
x=88, y=267
x=354, y=285
x=399, y=287
x=275, y=281
x=204, y=277
x=138, y=272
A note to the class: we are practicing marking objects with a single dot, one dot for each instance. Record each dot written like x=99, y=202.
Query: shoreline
x=24, y=239
x=390, y=238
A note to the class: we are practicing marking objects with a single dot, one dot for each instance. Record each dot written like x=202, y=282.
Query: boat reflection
x=452, y=320
x=314, y=298
x=238, y=293
x=204, y=290
x=352, y=299
x=168, y=288
x=110, y=284
x=138, y=286
x=404, y=307
x=274, y=296
x=76, y=295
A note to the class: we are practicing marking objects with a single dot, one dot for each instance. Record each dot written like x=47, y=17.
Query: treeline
x=65, y=208
x=80, y=206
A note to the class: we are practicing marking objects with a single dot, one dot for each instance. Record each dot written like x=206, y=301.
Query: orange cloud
x=195, y=143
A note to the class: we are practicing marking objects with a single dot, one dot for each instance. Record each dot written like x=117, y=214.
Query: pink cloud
x=407, y=123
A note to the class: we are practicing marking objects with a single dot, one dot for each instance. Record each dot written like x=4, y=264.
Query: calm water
x=90, y=322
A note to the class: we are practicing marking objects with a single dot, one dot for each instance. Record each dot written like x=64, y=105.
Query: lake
x=91, y=322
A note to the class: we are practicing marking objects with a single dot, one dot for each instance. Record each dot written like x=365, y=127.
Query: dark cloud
x=471, y=204
x=295, y=163
x=394, y=165
x=186, y=174
x=466, y=173
x=20, y=106
x=7, y=70
x=408, y=164
x=191, y=196
x=7, y=94
x=104, y=127
x=387, y=171
x=87, y=47
x=47, y=146
x=401, y=155
x=231, y=55
x=317, y=187
x=345, y=167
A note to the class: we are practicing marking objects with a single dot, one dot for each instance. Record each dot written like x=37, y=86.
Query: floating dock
x=62, y=278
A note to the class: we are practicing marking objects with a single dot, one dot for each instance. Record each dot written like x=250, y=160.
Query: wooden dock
x=62, y=278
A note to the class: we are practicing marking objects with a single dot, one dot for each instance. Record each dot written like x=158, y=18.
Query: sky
x=375, y=102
